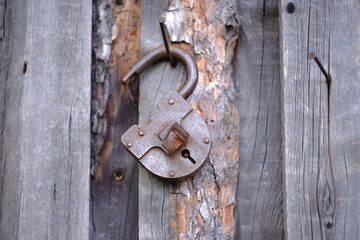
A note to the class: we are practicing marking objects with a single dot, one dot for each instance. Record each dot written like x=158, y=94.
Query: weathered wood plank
x=114, y=199
x=45, y=111
x=201, y=207
x=155, y=199
x=2, y=9
x=259, y=194
x=321, y=130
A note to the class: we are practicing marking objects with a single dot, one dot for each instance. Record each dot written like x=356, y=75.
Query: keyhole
x=186, y=154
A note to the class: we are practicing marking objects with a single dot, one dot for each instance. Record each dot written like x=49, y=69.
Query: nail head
x=141, y=133
x=290, y=8
x=118, y=175
x=206, y=140
x=312, y=55
x=171, y=173
x=161, y=19
x=129, y=144
x=171, y=101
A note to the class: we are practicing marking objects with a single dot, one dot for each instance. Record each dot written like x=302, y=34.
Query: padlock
x=175, y=142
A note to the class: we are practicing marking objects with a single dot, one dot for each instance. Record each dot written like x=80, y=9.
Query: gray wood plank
x=45, y=120
x=2, y=8
x=155, y=199
x=259, y=194
x=321, y=130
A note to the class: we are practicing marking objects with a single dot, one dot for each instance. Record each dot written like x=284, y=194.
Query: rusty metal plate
x=145, y=143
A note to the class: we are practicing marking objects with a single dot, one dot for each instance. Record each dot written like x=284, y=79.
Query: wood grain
x=114, y=199
x=2, y=9
x=259, y=190
x=45, y=111
x=321, y=131
x=155, y=198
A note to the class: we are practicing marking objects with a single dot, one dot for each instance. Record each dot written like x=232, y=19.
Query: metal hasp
x=175, y=142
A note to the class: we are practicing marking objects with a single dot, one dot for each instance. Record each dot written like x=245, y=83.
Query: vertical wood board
x=257, y=75
x=155, y=198
x=321, y=130
x=45, y=111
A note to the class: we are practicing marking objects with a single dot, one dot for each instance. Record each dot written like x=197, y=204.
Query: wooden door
x=236, y=48
x=285, y=140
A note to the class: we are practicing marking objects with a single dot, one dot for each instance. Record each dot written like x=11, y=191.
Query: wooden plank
x=45, y=127
x=201, y=207
x=155, y=199
x=114, y=200
x=2, y=8
x=259, y=193
x=321, y=130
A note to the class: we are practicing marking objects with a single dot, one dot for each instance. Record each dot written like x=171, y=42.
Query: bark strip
x=204, y=205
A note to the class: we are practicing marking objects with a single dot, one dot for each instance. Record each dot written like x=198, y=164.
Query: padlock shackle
x=160, y=54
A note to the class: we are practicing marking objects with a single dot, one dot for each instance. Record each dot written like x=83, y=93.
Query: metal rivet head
x=171, y=173
x=206, y=140
x=171, y=101
x=141, y=133
x=129, y=144
x=118, y=175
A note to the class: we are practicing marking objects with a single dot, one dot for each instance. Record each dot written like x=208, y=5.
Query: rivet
x=171, y=101
x=206, y=140
x=118, y=175
x=129, y=144
x=141, y=133
x=171, y=173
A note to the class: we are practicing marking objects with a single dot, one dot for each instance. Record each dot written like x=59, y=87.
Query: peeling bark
x=204, y=206
x=103, y=21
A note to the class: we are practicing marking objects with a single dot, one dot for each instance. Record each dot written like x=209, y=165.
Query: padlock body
x=174, y=143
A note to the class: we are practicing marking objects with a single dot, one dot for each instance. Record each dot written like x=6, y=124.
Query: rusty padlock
x=175, y=142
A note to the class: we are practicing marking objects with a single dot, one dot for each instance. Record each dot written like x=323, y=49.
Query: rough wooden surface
x=45, y=111
x=2, y=9
x=114, y=200
x=259, y=194
x=155, y=198
x=201, y=207
x=321, y=124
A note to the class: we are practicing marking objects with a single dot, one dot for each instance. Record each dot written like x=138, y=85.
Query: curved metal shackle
x=160, y=54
